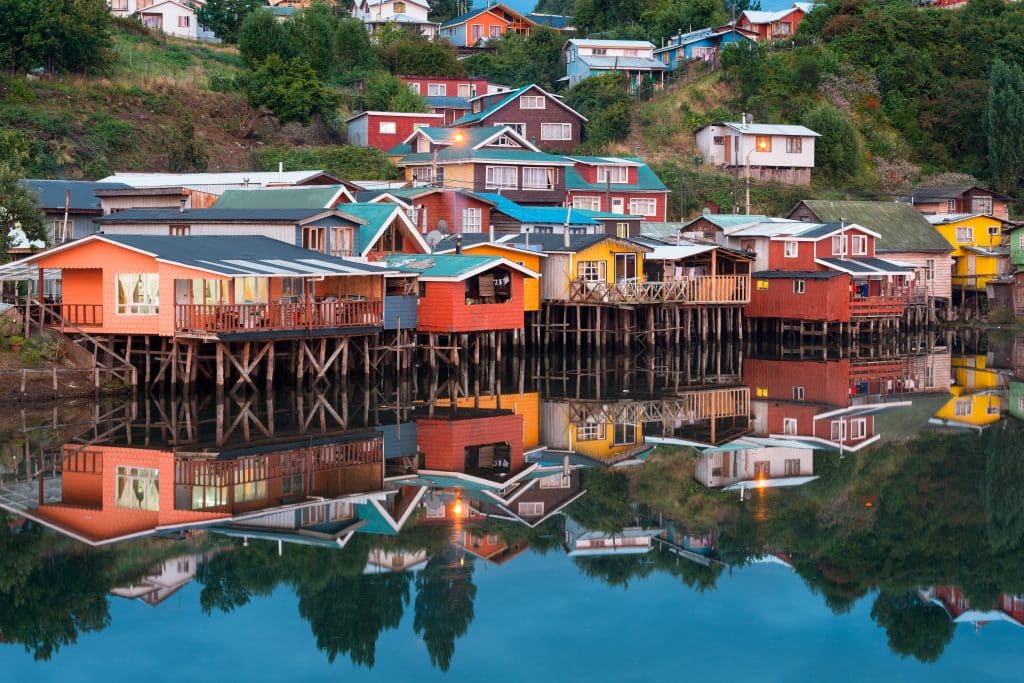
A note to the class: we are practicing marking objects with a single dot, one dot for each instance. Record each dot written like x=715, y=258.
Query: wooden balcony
x=888, y=306
x=218, y=318
x=82, y=315
x=708, y=289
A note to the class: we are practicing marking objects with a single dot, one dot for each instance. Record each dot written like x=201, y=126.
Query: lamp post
x=761, y=146
x=457, y=138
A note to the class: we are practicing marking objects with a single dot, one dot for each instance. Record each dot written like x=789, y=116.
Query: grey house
x=80, y=200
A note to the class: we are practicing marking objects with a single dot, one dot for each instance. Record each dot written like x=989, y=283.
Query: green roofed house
x=314, y=197
x=619, y=185
x=904, y=237
x=536, y=114
x=388, y=230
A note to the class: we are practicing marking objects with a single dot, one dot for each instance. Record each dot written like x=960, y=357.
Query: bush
x=605, y=102
x=45, y=347
x=345, y=161
x=291, y=90
x=221, y=81
x=837, y=152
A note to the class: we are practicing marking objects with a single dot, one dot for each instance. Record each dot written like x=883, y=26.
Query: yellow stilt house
x=979, y=252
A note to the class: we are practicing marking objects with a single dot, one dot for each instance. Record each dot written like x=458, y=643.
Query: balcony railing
x=83, y=315
x=217, y=318
x=878, y=306
x=707, y=289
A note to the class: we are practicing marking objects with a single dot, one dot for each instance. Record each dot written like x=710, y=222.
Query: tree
x=384, y=92
x=417, y=55
x=312, y=34
x=185, y=153
x=606, y=507
x=443, y=10
x=664, y=18
x=291, y=90
x=1004, y=476
x=444, y=604
x=606, y=104
x=260, y=36
x=837, y=152
x=1004, y=126
x=356, y=55
x=914, y=628
x=58, y=35
x=18, y=210
x=224, y=17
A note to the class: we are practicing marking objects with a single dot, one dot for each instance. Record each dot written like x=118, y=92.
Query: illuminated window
x=138, y=488
x=138, y=293
x=764, y=143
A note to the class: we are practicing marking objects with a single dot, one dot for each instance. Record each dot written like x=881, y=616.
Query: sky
x=537, y=618
x=525, y=6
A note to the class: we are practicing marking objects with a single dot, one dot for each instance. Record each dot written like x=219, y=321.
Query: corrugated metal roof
x=900, y=227
x=214, y=215
x=303, y=197
x=587, y=42
x=232, y=178
x=555, y=21
x=766, y=128
x=556, y=243
x=447, y=102
x=601, y=161
x=538, y=214
x=796, y=274
x=772, y=227
x=51, y=193
x=647, y=181
x=865, y=266
x=728, y=220
x=447, y=266
x=604, y=62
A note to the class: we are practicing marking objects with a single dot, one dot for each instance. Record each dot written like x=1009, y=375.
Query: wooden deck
x=878, y=306
x=705, y=290
x=218, y=318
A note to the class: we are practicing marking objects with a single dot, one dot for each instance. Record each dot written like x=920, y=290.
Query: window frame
x=794, y=145
x=799, y=286
x=593, y=203
x=649, y=202
x=550, y=178
x=491, y=184
x=795, y=245
x=382, y=125
x=150, y=283
x=533, y=99
x=592, y=271
x=472, y=219
x=604, y=174
x=565, y=131
x=437, y=90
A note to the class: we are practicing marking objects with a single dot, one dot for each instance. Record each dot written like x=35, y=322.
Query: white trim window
x=858, y=429
x=643, y=207
x=964, y=233
x=839, y=245
x=464, y=90
x=138, y=488
x=591, y=431
x=415, y=87
x=556, y=131
x=501, y=178
x=532, y=102
x=531, y=509
x=789, y=425
x=472, y=220
x=387, y=128
x=799, y=286
x=798, y=393
x=963, y=407
x=859, y=245
x=612, y=174
x=791, y=249
x=517, y=127
x=556, y=481
x=794, y=145
x=838, y=431
x=423, y=174
x=589, y=203
x=592, y=271
x=981, y=205
x=138, y=293
x=437, y=90
x=538, y=178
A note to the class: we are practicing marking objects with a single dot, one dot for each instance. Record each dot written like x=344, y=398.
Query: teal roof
x=484, y=113
x=400, y=149
x=605, y=214
x=538, y=214
x=463, y=18
x=727, y=220
x=470, y=136
x=451, y=266
x=319, y=197
x=375, y=521
x=375, y=215
x=647, y=180
x=453, y=154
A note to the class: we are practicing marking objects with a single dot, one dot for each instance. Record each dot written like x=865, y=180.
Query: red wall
x=443, y=442
x=589, y=173
x=404, y=126
x=827, y=300
x=660, y=199
x=444, y=309
x=794, y=17
x=444, y=205
x=823, y=381
x=777, y=259
x=451, y=84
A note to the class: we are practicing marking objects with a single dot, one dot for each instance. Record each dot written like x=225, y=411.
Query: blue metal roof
x=51, y=193
x=538, y=214
x=447, y=102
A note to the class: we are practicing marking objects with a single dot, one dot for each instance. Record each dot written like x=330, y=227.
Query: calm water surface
x=752, y=513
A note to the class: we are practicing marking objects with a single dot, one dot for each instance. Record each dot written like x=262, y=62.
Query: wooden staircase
x=80, y=347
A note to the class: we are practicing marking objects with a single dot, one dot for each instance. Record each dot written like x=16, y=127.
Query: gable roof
x=899, y=226
x=508, y=99
x=50, y=194
x=378, y=217
x=559, y=22
x=454, y=267
x=302, y=197
x=216, y=215
x=684, y=39
x=555, y=244
x=763, y=17
x=593, y=42
x=764, y=128
x=243, y=178
x=474, y=240
x=462, y=19
x=725, y=220
x=468, y=138
x=538, y=214
x=231, y=257
x=646, y=180
x=933, y=192
x=615, y=62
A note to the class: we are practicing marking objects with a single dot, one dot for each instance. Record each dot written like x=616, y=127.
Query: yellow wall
x=972, y=373
x=604, y=449
x=985, y=408
x=531, y=286
x=605, y=251
x=982, y=266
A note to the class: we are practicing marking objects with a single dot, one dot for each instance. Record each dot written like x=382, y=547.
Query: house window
x=531, y=509
x=994, y=231
x=535, y=178
x=62, y=231
x=630, y=53
x=799, y=286
x=761, y=392
x=643, y=207
x=718, y=140
x=592, y=271
x=764, y=143
x=838, y=430
x=929, y=265
x=472, y=220
x=478, y=32
x=858, y=428
x=464, y=90
x=794, y=145
x=423, y=174
x=962, y=408
x=138, y=488
x=314, y=238
x=625, y=434
x=622, y=230
x=556, y=481
x=950, y=206
x=138, y=293
x=929, y=376
x=798, y=393
x=625, y=267
x=762, y=469
x=591, y=431
x=964, y=233
x=762, y=284
x=599, y=51
x=415, y=87
x=839, y=245
x=183, y=22
x=981, y=205
x=1020, y=241
x=495, y=31
x=251, y=290
x=792, y=466
x=387, y=128
x=341, y=242
x=517, y=127
x=437, y=90
x=594, y=204
x=399, y=8
x=791, y=249
x=612, y=174
x=859, y=245
x=501, y=178
x=504, y=141
x=492, y=287
x=119, y=5
x=782, y=28
x=178, y=230
x=556, y=131
x=531, y=102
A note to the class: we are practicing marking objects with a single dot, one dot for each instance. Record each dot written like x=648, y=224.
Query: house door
x=182, y=296
x=972, y=268
x=618, y=205
x=728, y=149
x=625, y=267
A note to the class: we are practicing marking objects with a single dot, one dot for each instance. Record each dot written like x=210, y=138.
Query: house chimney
x=458, y=243
x=181, y=205
x=490, y=232
x=280, y=168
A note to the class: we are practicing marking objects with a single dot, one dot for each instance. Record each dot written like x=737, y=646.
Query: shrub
x=45, y=347
x=291, y=90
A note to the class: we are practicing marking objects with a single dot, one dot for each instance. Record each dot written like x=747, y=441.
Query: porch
x=283, y=315
x=707, y=289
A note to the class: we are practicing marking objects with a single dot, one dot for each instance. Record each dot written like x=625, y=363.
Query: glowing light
x=762, y=146
x=761, y=483
x=457, y=508
x=458, y=137
x=869, y=504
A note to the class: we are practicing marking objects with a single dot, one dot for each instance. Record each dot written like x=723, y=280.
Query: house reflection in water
x=163, y=581
x=1009, y=609
x=701, y=548
x=979, y=395
x=753, y=462
x=634, y=540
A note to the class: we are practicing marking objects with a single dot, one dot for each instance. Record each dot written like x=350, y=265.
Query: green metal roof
x=439, y=265
x=727, y=220
x=900, y=226
x=464, y=153
x=646, y=180
x=319, y=197
x=375, y=215
x=484, y=113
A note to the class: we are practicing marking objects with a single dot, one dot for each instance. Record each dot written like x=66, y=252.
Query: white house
x=404, y=13
x=634, y=58
x=770, y=152
x=173, y=17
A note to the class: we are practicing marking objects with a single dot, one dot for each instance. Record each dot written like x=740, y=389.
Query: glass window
x=472, y=220
x=625, y=268
x=858, y=428
x=981, y=205
x=799, y=286
x=612, y=174
x=314, y=238
x=437, y=89
x=415, y=87
x=591, y=431
x=798, y=393
x=625, y=434
x=794, y=145
x=643, y=207
x=464, y=90
x=792, y=249
x=532, y=102
x=556, y=131
x=501, y=177
x=399, y=7
x=341, y=241
x=387, y=128
x=535, y=178
x=251, y=290
x=859, y=245
x=964, y=233
x=792, y=467
x=138, y=293
x=839, y=245
x=531, y=509
x=592, y=271
x=556, y=481
x=138, y=488
x=789, y=425
x=594, y=204
x=622, y=230
x=764, y=143
x=962, y=408
x=930, y=267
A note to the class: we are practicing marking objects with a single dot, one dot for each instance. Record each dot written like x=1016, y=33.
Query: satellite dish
x=434, y=237
x=442, y=225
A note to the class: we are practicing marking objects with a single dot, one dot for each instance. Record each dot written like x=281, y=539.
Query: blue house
x=633, y=58
x=76, y=198
x=702, y=44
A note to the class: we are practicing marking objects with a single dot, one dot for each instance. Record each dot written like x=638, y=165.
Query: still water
x=778, y=513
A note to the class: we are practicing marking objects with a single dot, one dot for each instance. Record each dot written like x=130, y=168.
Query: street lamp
x=457, y=139
x=761, y=146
